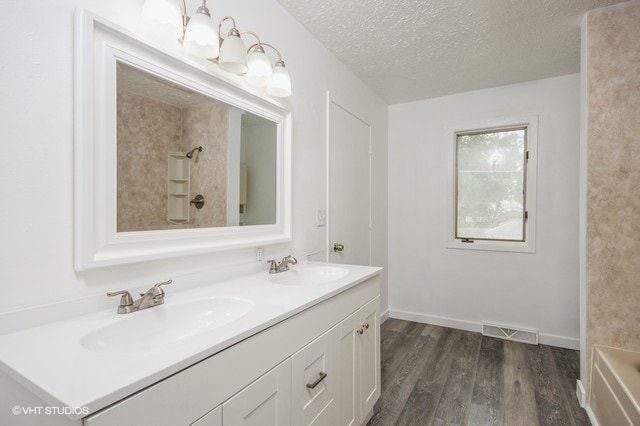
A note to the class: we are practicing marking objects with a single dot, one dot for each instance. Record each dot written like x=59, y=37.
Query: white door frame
x=332, y=100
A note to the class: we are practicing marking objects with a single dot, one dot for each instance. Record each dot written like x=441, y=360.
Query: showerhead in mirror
x=190, y=153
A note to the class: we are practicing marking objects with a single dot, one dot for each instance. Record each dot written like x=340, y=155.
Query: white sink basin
x=165, y=324
x=310, y=276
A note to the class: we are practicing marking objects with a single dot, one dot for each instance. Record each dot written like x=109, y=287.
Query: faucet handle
x=290, y=259
x=274, y=266
x=125, y=300
x=163, y=283
x=157, y=291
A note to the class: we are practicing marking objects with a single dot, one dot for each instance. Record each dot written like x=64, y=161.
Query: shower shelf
x=178, y=179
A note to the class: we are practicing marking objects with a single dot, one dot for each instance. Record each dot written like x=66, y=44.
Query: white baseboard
x=384, y=316
x=436, y=320
x=546, y=339
x=559, y=341
x=580, y=393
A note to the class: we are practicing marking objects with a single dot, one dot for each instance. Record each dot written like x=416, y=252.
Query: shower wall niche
x=178, y=179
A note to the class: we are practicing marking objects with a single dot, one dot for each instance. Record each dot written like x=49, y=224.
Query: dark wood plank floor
x=440, y=376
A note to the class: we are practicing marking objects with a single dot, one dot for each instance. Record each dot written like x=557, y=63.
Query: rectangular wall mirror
x=171, y=159
x=186, y=160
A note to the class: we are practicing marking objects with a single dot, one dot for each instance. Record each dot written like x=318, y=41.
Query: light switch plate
x=321, y=218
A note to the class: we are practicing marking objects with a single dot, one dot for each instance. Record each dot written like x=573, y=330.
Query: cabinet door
x=315, y=381
x=212, y=418
x=348, y=396
x=265, y=402
x=368, y=330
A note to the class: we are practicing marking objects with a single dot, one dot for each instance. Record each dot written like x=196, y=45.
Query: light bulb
x=280, y=84
x=233, y=56
x=259, y=68
x=201, y=37
x=162, y=19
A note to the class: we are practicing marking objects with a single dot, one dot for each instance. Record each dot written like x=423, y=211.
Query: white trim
x=436, y=320
x=580, y=393
x=328, y=178
x=545, y=339
x=560, y=341
x=529, y=246
x=99, y=45
x=384, y=316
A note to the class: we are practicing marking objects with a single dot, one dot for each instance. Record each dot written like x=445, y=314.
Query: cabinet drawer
x=314, y=382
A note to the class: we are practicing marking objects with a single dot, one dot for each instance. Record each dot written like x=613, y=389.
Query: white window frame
x=527, y=246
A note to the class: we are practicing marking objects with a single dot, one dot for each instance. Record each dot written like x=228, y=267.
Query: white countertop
x=50, y=361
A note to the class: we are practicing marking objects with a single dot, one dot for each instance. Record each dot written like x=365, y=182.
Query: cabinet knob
x=360, y=331
x=366, y=325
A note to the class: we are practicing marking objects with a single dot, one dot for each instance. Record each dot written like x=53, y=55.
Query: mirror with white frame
x=171, y=158
x=186, y=160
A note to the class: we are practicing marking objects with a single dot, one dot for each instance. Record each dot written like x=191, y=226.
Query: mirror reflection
x=186, y=160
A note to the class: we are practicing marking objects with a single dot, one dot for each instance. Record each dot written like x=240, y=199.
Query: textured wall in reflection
x=613, y=194
x=207, y=125
x=147, y=131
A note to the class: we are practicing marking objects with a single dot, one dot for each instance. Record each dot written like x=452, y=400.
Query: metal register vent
x=510, y=333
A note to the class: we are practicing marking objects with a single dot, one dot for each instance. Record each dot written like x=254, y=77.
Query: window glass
x=491, y=184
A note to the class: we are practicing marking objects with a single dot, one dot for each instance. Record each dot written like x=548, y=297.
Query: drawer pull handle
x=317, y=382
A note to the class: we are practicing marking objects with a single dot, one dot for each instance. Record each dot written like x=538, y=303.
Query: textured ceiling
x=149, y=86
x=407, y=50
x=143, y=84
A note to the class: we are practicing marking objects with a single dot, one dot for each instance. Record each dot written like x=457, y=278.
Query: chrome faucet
x=276, y=268
x=153, y=297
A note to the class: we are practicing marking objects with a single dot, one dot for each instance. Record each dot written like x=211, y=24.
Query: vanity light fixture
x=200, y=35
x=165, y=20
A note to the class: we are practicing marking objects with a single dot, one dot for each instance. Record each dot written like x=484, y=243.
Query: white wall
x=36, y=118
x=462, y=288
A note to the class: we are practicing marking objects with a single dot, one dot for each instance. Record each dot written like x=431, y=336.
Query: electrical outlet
x=259, y=254
x=321, y=218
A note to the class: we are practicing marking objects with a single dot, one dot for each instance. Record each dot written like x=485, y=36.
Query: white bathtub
x=615, y=386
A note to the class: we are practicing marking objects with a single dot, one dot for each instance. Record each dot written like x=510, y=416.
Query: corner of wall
x=582, y=208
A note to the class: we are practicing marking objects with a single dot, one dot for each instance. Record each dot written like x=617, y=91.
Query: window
x=492, y=191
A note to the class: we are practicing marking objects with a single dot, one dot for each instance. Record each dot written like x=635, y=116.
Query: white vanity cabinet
x=336, y=378
x=263, y=379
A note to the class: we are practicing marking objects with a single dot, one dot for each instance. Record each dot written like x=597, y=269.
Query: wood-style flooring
x=441, y=376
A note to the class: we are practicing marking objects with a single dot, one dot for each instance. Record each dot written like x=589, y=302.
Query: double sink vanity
x=293, y=348
x=261, y=347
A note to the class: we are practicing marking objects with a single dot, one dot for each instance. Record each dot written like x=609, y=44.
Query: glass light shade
x=233, y=56
x=280, y=85
x=201, y=37
x=259, y=69
x=162, y=19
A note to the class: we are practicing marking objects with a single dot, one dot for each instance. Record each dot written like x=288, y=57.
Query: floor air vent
x=510, y=333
